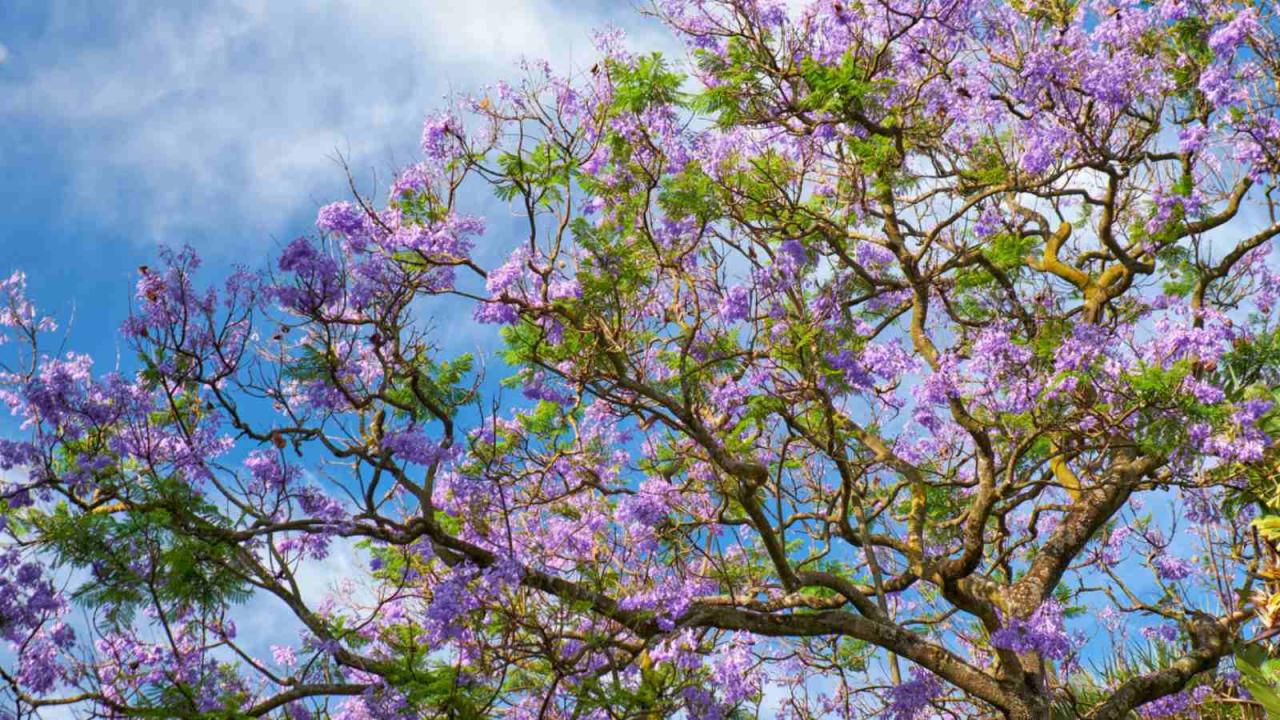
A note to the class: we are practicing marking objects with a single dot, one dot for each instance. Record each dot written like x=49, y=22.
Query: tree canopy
x=877, y=358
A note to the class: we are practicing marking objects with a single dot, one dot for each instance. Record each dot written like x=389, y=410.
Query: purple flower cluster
x=1179, y=704
x=466, y=590
x=269, y=471
x=735, y=304
x=284, y=655
x=1172, y=568
x=669, y=597
x=649, y=506
x=1041, y=632
x=30, y=612
x=911, y=699
x=440, y=137
x=412, y=445
x=16, y=311
x=316, y=280
x=734, y=670
x=343, y=218
x=538, y=387
x=1226, y=39
x=1164, y=632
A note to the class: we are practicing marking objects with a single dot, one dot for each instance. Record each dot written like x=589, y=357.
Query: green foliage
x=853, y=654
x=1189, y=39
x=433, y=688
x=840, y=88
x=421, y=207
x=740, y=84
x=986, y=164
x=543, y=173
x=1251, y=369
x=1058, y=12
x=648, y=82
x=1154, y=384
x=690, y=193
x=1260, y=675
x=192, y=561
x=1008, y=251
x=429, y=386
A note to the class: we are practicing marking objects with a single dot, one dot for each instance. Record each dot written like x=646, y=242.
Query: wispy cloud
x=220, y=125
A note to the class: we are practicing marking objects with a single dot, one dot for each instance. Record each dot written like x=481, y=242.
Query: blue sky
x=125, y=125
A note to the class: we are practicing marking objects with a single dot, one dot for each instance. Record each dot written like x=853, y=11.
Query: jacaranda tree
x=882, y=358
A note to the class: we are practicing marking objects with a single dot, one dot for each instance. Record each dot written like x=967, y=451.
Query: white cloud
x=214, y=126
x=4, y=53
x=264, y=620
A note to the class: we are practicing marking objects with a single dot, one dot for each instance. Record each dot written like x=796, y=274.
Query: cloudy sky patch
x=177, y=121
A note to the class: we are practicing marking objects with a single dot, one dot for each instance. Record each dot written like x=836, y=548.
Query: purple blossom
x=266, y=468
x=872, y=255
x=315, y=274
x=440, y=135
x=912, y=699
x=284, y=655
x=1219, y=85
x=321, y=506
x=564, y=289
x=498, y=313
x=414, y=179
x=413, y=446
x=1041, y=632
x=1173, y=10
x=1111, y=619
x=536, y=387
x=1164, y=632
x=16, y=311
x=503, y=277
x=669, y=598
x=1203, y=391
x=1191, y=138
x=451, y=599
x=855, y=375
x=341, y=217
x=791, y=258
x=1179, y=704
x=1226, y=39
x=1046, y=143
x=701, y=704
x=735, y=305
x=1172, y=568
x=1115, y=544
x=733, y=670
x=941, y=385
x=989, y=222
x=40, y=665
x=649, y=506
